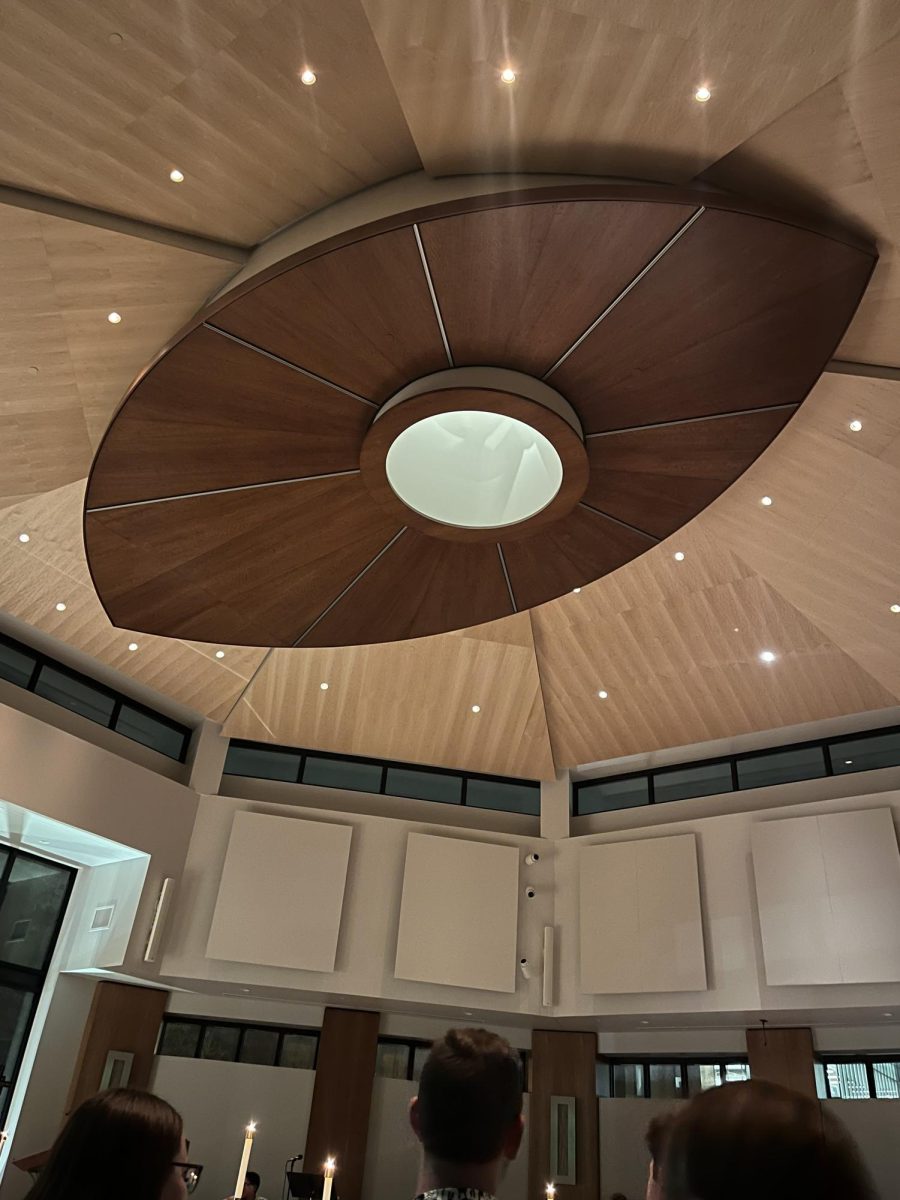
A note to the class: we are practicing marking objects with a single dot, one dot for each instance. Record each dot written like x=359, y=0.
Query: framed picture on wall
x=117, y=1070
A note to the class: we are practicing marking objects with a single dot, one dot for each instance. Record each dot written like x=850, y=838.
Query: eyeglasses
x=190, y=1173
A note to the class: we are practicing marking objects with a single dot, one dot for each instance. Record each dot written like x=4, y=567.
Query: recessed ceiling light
x=467, y=1014
x=323, y=687
x=508, y=75
x=737, y=629
x=476, y=708
x=603, y=695
x=60, y=607
x=856, y=426
x=645, y=1022
x=132, y=646
x=176, y=176
x=116, y=39
x=766, y=502
x=848, y=762
x=24, y=537
x=220, y=654
x=114, y=318
x=575, y=591
x=767, y=656
x=679, y=556
x=308, y=77
x=887, y=1014
x=702, y=94
x=894, y=607
x=34, y=370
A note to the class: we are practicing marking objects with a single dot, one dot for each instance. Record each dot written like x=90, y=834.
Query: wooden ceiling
x=100, y=102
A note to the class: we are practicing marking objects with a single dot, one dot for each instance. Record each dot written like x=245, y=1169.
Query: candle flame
x=251, y=1128
x=551, y=1191
x=330, y=1164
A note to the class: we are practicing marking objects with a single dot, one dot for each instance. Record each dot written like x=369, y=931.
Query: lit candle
x=551, y=1191
x=329, y=1178
x=245, y=1160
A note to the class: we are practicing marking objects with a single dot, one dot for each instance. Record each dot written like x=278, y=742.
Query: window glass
x=781, y=766
x=865, y=753
x=76, y=694
x=604, y=1080
x=505, y=797
x=821, y=1085
x=665, y=1081
x=607, y=795
x=261, y=763
x=259, y=1046
x=424, y=785
x=30, y=912
x=702, y=1076
x=628, y=1079
x=887, y=1080
x=705, y=779
x=220, y=1042
x=847, y=1081
x=298, y=1050
x=180, y=1039
x=342, y=773
x=735, y=1072
x=16, y=1006
x=420, y=1054
x=392, y=1060
x=150, y=731
x=15, y=665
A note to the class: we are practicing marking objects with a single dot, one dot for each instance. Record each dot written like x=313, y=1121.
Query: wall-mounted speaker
x=158, y=928
x=549, y=973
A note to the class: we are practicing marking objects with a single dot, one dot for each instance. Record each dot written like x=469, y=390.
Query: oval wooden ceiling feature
x=518, y=285
x=680, y=329
x=360, y=316
x=418, y=587
x=660, y=477
x=253, y=568
x=741, y=312
x=215, y=414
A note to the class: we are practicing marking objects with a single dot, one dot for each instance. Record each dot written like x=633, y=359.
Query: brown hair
x=744, y=1141
x=119, y=1143
x=470, y=1094
x=655, y=1137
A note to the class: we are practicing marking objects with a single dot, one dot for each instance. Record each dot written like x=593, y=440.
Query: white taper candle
x=245, y=1160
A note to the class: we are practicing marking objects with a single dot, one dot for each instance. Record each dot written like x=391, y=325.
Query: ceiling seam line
x=625, y=525
x=434, y=300
x=842, y=366
x=240, y=487
x=541, y=694
x=284, y=362
x=352, y=584
x=738, y=412
x=512, y=595
x=683, y=228
x=245, y=689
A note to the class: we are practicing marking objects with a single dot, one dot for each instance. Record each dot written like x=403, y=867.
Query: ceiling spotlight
x=176, y=176
x=114, y=318
x=132, y=646
x=768, y=656
x=60, y=607
x=476, y=708
x=887, y=1014
x=766, y=502
x=737, y=629
x=24, y=537
x=603, y=695
x=575, y=591
x=220, y=654
x=679, y=556
x=508, y=75
x=894, y=607
x=848, y=762
x=323, y=687
x=702, y=94
x=856, y=426
x=308, y=77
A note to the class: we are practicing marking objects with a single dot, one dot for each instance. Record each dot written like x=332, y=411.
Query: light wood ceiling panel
x=609, y=89
x=410, y=701
x=102, y=101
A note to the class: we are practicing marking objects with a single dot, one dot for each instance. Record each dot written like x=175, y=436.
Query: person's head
x=469, y=1108
x=744, y=1141
x=655, y=1137
x=251, y=1186
x=119, y=1143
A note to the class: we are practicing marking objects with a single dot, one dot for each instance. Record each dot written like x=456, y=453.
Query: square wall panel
x=282, y=893
x=828, y=890
x=459, y=913
x=641, y=927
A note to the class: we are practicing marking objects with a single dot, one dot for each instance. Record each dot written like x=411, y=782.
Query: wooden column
x=564, y=1064
x=122, y=1017
x=783, y=1056
x=342, y=1097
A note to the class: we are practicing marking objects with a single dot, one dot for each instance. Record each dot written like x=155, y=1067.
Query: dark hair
x=118, y=1143
x=470, y=1094
x=744, y=1141
x=253, y=1179
x=655, y=1137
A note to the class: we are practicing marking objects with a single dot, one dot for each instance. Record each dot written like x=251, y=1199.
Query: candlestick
x=245, y=1160
x=329, y=1178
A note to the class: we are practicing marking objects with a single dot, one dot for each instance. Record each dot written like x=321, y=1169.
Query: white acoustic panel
x=641, y=927
x=459, y=913
x=282, y=893
x=828, y=890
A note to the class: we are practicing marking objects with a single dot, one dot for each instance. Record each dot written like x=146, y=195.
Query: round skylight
x=476, y=470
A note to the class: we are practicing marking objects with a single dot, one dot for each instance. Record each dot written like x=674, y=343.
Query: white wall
x=875, y=1125
x=623, y=1152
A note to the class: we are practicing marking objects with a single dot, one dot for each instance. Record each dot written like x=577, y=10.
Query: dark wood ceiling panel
x=569, y=554
x=658, y=479
x=421, y=586
x=254, y=567
x=741, y=313
x=360, y=316
x=214, y=414
x=518, y=285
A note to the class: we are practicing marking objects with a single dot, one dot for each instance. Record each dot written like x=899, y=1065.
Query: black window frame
x=645, y=1062
x=203, y=1023
x=868, y=1060
x=824, y=745
x=43, y=661
x=414, y=1044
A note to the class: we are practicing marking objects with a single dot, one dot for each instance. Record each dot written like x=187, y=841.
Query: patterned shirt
x=452, y=1193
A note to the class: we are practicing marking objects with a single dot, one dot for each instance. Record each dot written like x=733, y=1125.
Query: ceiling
x=102, y=101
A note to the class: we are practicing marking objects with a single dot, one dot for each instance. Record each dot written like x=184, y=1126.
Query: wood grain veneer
x=564, y=1064
x=784, y=1056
